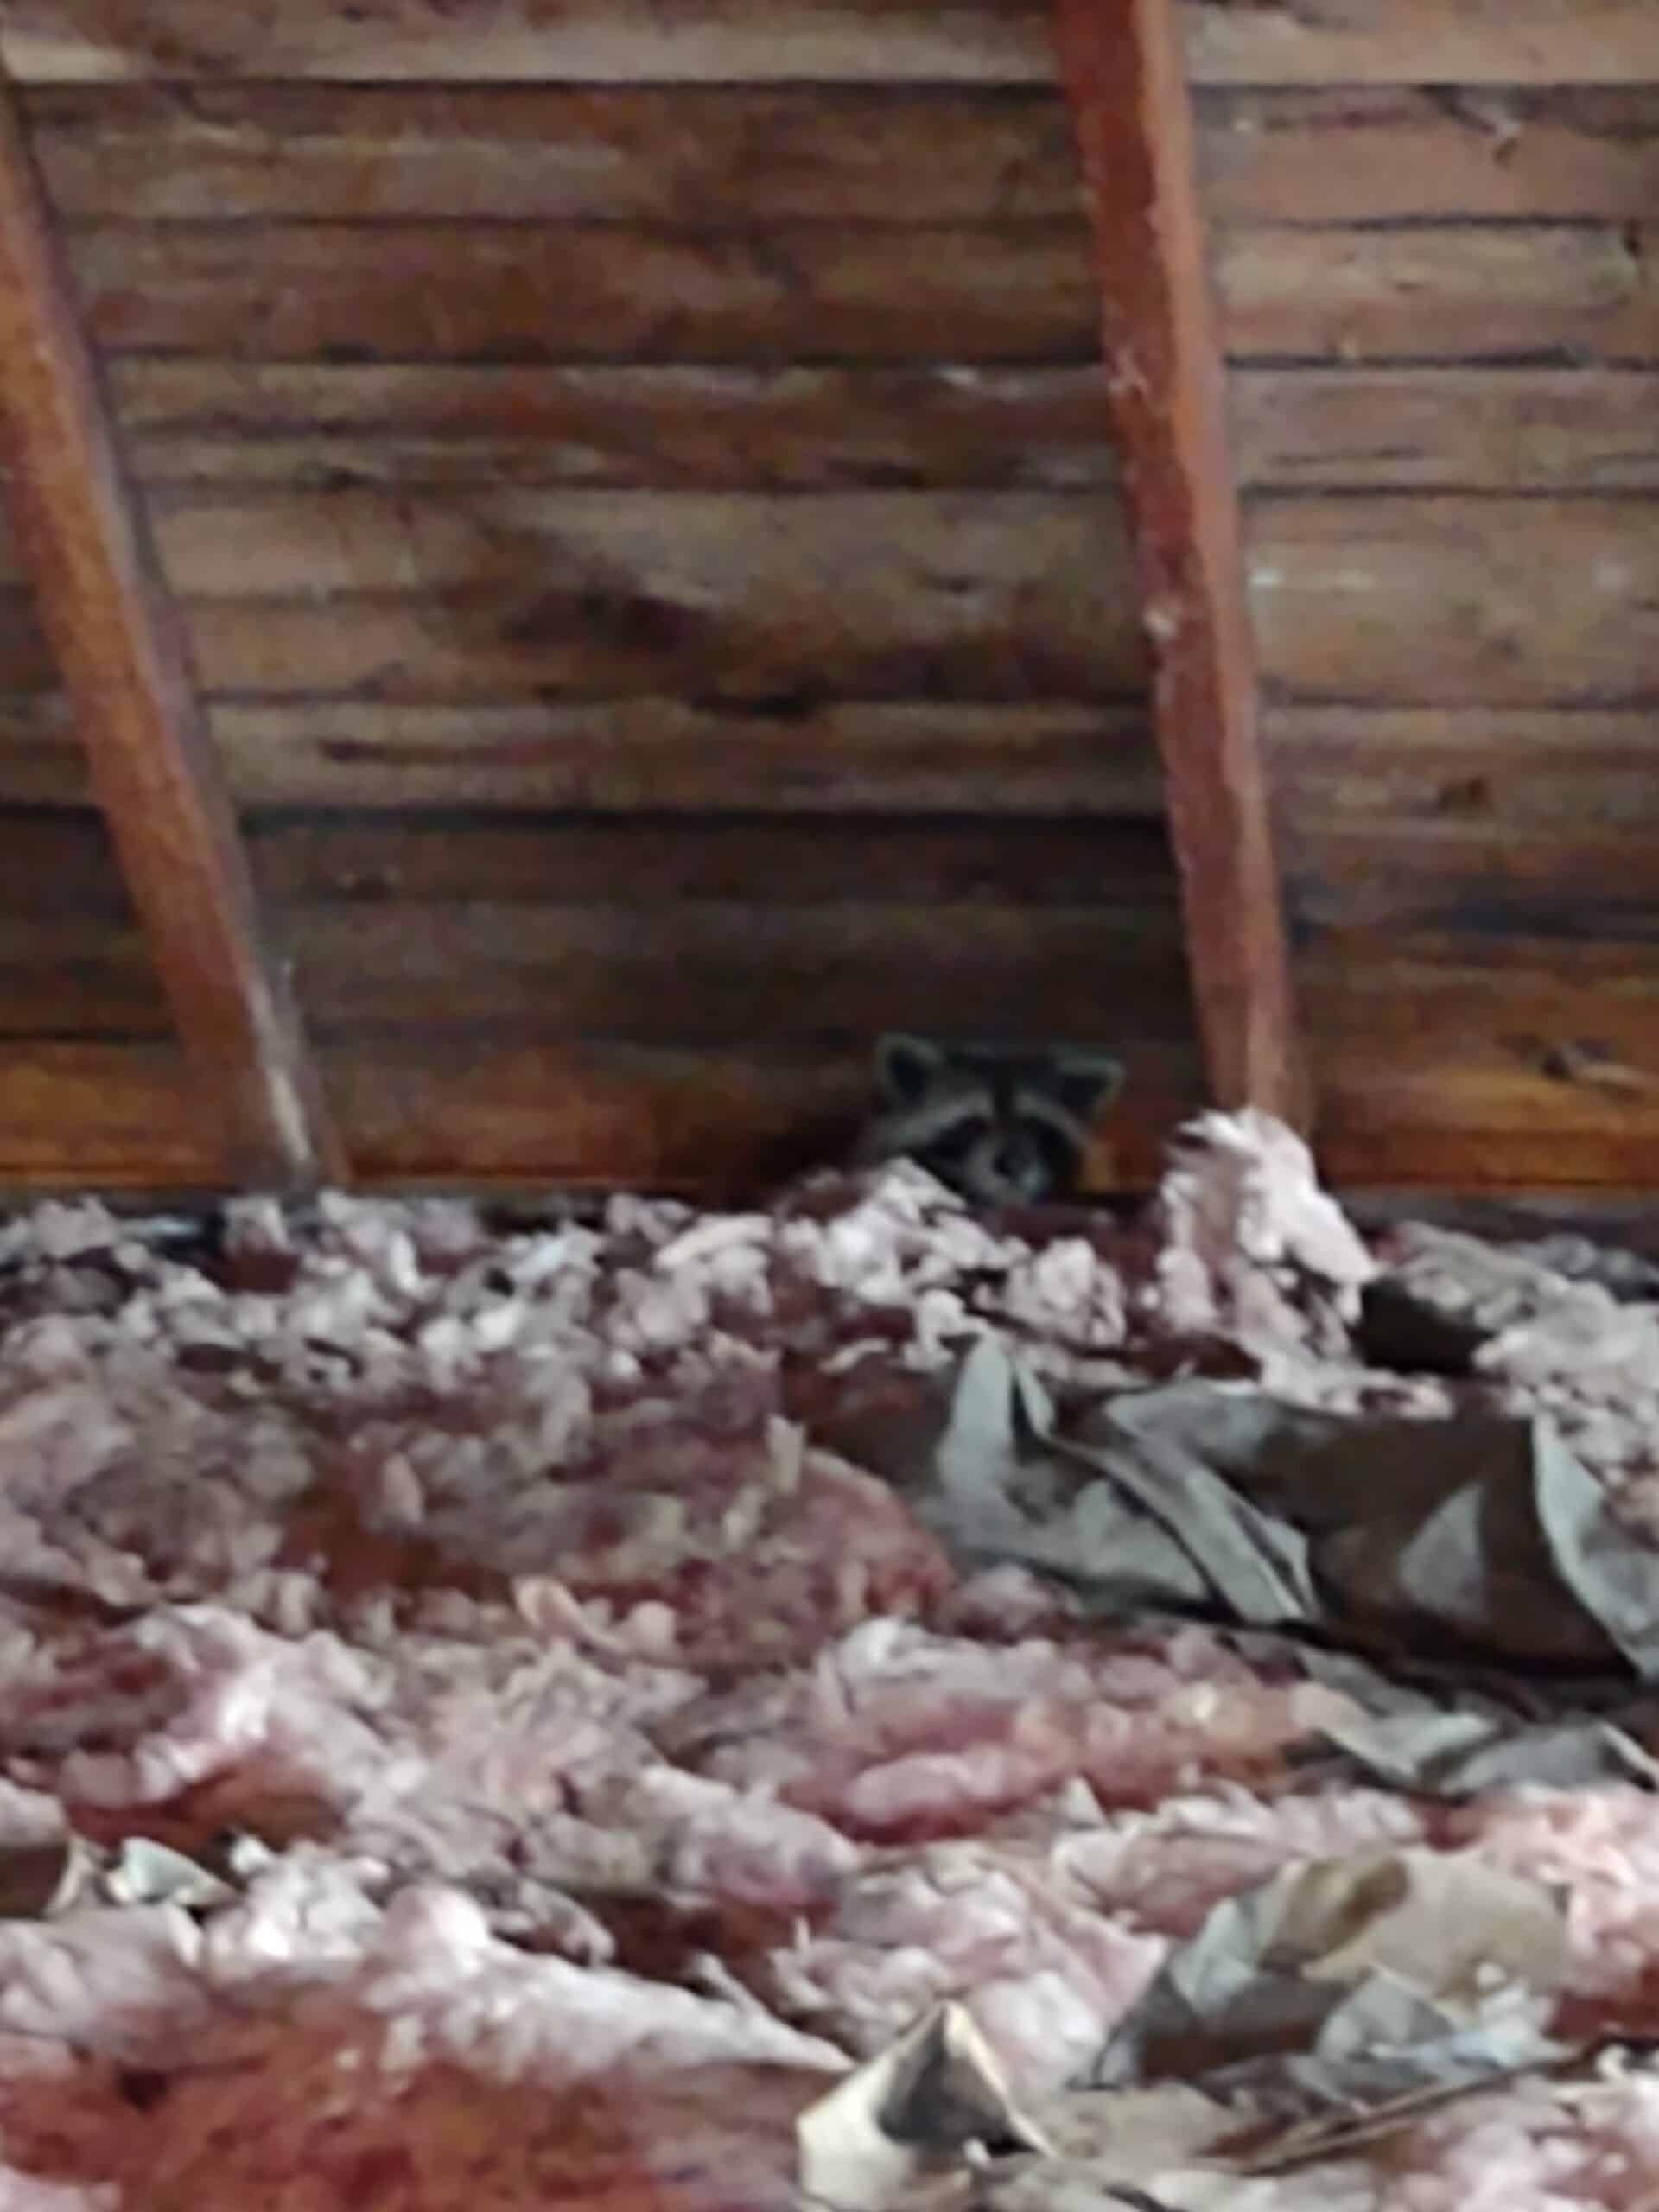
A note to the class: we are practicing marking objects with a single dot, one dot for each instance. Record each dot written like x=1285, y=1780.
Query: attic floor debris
x=445, y=1662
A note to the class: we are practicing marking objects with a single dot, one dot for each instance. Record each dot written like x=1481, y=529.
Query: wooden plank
x=1018, y=758
x=1509, y=292
x=157, y=780
x=818, y=295
x=1548, y=774
x=1356, y=429
x=705, y=972
x=718, y=598
x=703, y=157
x=1470, y=879
x=614, y=642
x=1419, y=601
x=107, y=1116
x=598, y=42
x=660, y=861
x=614, y=425
x=500, y=594
x=1442, y=1063
x=1373, y=154
x=686, y=548
x=1123, y=73
x=494, y=647
x=57, y=862
x=716, y=157
x=1423, y=42
x=783, y=294
x=1346, y=41
x=1504, y=603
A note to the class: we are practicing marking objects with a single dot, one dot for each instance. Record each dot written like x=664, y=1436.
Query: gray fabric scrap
x=1342, y=1983
x=1454, y=1755
x=1481, y=1533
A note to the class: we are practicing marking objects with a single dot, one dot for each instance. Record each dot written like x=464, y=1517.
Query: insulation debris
x=684, y=1709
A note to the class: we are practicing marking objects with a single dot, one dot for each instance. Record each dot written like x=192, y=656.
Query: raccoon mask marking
x=1000, y=1124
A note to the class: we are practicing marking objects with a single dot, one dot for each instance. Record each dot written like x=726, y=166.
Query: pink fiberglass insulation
x=612, y=1758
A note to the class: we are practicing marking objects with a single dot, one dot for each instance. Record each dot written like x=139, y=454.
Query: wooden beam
x=1124, y=75
x=154, y=769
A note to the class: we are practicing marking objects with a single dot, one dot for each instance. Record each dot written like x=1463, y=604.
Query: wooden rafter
x=1123, y=68
x=112, y=628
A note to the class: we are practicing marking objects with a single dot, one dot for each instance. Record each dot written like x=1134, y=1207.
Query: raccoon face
x=1000, y=1125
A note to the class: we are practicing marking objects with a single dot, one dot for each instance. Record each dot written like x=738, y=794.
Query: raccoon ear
x=1087, y=1082
x=904, y=1065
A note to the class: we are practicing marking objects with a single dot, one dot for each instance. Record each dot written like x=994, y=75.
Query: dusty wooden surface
x=114, y=637
x=631, y=424
x=1497, y=41
x=784, y=757
x=497, y=594
x=713, y=158
x=1125, y=83
x=1507, y=602
x=1012, y=292
x=579, y=426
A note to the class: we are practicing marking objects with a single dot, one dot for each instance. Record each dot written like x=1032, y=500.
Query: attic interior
x=644, y=519
x=564, y=1638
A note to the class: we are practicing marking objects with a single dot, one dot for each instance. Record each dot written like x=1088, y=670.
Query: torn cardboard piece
x=1340, y=1991
x=916, y=2111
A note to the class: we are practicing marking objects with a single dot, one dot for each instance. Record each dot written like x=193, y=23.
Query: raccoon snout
x=1011, y=1167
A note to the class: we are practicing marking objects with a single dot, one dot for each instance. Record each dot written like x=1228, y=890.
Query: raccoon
x=999, y=1124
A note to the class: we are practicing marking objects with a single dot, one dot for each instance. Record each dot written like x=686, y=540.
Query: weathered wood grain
x=727, y=156
x=1435, y=1057
x=614, y=425
x=1419, y=601
x=1546, y=775
x=499, y=593
x=1423, y=42
x=1348, y=41
x=655, y=861
x=1473, y=429
x=111, y=1116
x=1373, y=154
x=729, y=972
x=715, y=598
x=1506, y=602
x=521, y=292
x=57, y=862
x=1470, y=879
x=818, y=295
x=526, y=41
x=550, y=646
x=425, y=425
x=1519, y=292
x=687, y=549
x=1124, y=78
x=116, y=638
x=1001, y=760
x=702, y=157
